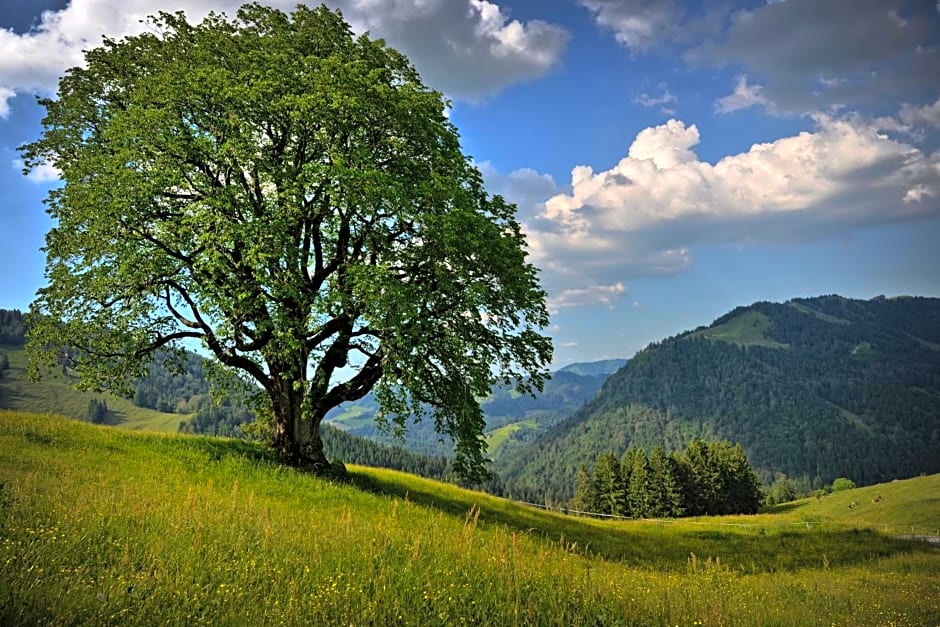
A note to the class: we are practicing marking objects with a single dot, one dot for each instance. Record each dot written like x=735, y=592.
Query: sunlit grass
x=903, y=506
x=100, y=526
x=54, y=394
x=750, y=328
x=497, y=437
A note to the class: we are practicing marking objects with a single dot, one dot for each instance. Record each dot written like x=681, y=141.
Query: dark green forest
x=12, y=327
x=708, y=478
x=814, y=388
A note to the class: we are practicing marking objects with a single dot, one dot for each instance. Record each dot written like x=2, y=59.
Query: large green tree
x=295, y=198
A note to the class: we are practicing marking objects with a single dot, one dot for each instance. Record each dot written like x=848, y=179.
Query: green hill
x=54, y=394
x=815, y=388
x=91, y=534
x=903, y=506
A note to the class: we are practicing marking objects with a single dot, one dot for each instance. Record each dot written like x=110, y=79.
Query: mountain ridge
x=817, y=387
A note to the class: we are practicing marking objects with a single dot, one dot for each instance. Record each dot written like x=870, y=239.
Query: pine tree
x=610, y=490
x=585, y=495
x=640, y=488
x=626, y=473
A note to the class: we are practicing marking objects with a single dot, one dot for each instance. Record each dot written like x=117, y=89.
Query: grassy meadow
x=54, y=394
x=105, y=526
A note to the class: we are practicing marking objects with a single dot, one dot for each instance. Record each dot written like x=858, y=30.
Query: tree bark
x=297, y=436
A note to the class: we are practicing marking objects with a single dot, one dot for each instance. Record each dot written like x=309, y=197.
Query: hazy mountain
x=512, y=418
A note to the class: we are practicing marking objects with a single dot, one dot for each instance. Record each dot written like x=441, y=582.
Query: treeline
x=708, y=478
x=222, y=418
x=348, y=448
x=172, y=385
x=12, y=327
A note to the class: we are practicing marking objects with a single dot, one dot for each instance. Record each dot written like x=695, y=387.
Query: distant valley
x=511, y=418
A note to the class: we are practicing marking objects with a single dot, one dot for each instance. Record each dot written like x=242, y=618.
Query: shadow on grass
x=114, y=418
x=782, y=508
x=664, y=545
x=210, y=449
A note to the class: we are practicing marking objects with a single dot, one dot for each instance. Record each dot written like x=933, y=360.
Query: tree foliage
x=295, y=199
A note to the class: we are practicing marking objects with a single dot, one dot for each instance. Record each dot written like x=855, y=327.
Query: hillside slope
x=221, y=535
x=54, y=394
x=820, y=387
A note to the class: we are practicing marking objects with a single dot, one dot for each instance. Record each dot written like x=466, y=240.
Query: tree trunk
x=296, y=436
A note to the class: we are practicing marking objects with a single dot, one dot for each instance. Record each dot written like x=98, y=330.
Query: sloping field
x=901, y=506
x=54, y=394
x=103, y=526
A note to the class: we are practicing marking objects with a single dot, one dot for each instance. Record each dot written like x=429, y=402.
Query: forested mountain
x=511, y=418
x=815, y=388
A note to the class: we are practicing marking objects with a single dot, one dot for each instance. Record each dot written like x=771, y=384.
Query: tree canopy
x=294, y=198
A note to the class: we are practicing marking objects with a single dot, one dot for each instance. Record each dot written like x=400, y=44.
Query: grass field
x=748, y=329
x=54, y=394
x=103, y=526
x=497, y=437
x=909, y=506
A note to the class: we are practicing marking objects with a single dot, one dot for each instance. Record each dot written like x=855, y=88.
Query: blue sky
x=670, y=160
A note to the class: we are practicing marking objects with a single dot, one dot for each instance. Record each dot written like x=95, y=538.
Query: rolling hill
x=816, y=388
x=54, y=394
x=91, y=534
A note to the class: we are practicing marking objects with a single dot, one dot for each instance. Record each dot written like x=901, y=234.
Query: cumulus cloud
x=645, y=215
x=636, y=24
x=466, y=48
x=744, y=95
x=43, y=173
x=811, y=55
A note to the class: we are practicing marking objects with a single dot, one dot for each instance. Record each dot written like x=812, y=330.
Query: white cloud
x=644, y=216
x=466, y=48
x=586, y=296
x=745, y=95
x=5, y=96
x=663, y=101
x=637, y=24
x=927, y=115
x=44, y=173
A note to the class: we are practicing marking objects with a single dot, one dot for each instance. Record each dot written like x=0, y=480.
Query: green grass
x=905, y=506
x=102, y=526
x=353, y=417
x=815, y=312
x=751, y=328
x=53, y=394
x=497, y=437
